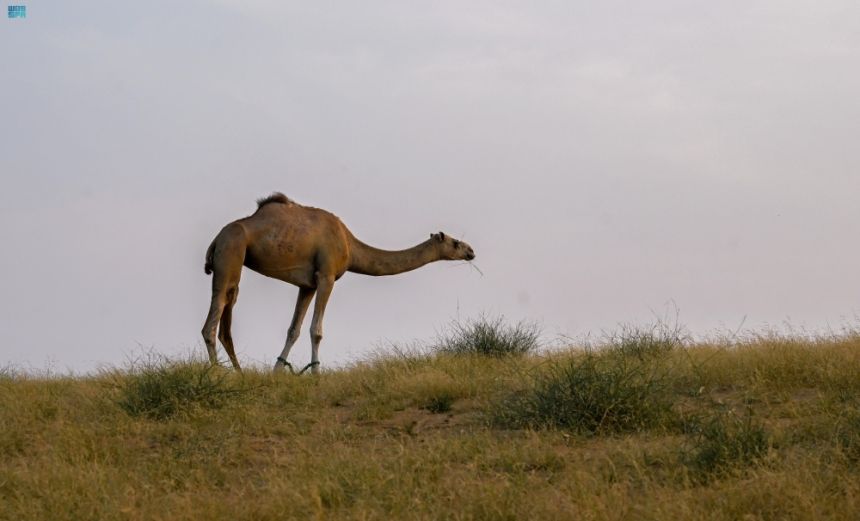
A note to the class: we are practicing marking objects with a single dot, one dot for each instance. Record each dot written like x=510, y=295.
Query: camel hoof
x=280, y=364
x=313, y=366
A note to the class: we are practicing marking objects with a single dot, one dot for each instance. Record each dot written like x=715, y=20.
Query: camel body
x=309, y=248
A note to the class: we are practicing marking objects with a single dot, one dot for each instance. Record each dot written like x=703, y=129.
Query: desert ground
x=481, y=424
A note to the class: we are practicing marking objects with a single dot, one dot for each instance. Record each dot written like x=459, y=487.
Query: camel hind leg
x=227, y=259
x=224, y=333
x=210, y=326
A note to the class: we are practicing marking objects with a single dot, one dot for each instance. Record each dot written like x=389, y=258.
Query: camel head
x=451, y=248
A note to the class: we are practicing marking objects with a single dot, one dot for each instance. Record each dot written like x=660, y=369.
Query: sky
x=610, y=162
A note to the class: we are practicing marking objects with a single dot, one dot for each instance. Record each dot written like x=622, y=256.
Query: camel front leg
x=325, y=283
x=303, y=302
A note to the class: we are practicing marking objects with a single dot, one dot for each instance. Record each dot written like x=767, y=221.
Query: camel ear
x=438, y=236
x=441, y=236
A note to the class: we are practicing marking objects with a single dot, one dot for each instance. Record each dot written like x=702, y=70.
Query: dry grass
x=765, y=428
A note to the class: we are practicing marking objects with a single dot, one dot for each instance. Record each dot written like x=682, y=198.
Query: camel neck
x=368, y=260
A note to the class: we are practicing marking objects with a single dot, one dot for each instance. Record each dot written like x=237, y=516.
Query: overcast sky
x=603, y=158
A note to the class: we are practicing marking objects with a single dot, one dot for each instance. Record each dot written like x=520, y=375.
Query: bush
x=848, y=436
x=650, y=342
x=440, y=403
x=162, y=388
x=489, y=337
x=725, y=442
x=8, y=372
x=591, y=393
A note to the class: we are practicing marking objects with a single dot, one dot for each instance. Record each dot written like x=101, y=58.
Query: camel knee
x=316, y=335
x=208, y=335
x=292, y=336
x=209, y=340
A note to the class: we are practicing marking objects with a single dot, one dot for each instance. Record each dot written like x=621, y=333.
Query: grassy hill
x=644, y=426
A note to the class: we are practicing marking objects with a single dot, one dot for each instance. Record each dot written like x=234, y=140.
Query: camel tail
x=210, y=253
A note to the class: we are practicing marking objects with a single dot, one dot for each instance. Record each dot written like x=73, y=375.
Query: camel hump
x=276, y=197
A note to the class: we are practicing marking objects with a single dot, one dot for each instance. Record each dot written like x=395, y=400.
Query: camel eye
x=456, y=244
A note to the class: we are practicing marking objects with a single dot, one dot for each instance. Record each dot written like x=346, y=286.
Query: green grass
x=652, y=341
x=593, y=393
x=160, y=388
x=726, y=443
x=488, y=337
x=763, y=428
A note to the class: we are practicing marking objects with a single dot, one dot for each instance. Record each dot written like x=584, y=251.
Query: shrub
x=440, y=403
x=489, y=337
x=648, y=342
x=726, y=442
x=8, y=372
x=848, y=436
x=159, y=389
x=592, y=393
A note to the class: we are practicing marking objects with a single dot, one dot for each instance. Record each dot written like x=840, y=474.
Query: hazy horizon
x=603, y=159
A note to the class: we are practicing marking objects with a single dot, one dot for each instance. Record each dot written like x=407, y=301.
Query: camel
x=309, y=248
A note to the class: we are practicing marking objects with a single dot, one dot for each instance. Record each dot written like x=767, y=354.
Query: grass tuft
x=725, y=443
x=440, y=403
x=488, y=337
x=8, y=372
x=592, y=393
x=848, y=436
x=160, y=388
x=653, y=341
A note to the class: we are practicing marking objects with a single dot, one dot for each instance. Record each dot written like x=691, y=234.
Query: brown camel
x=310, y=248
